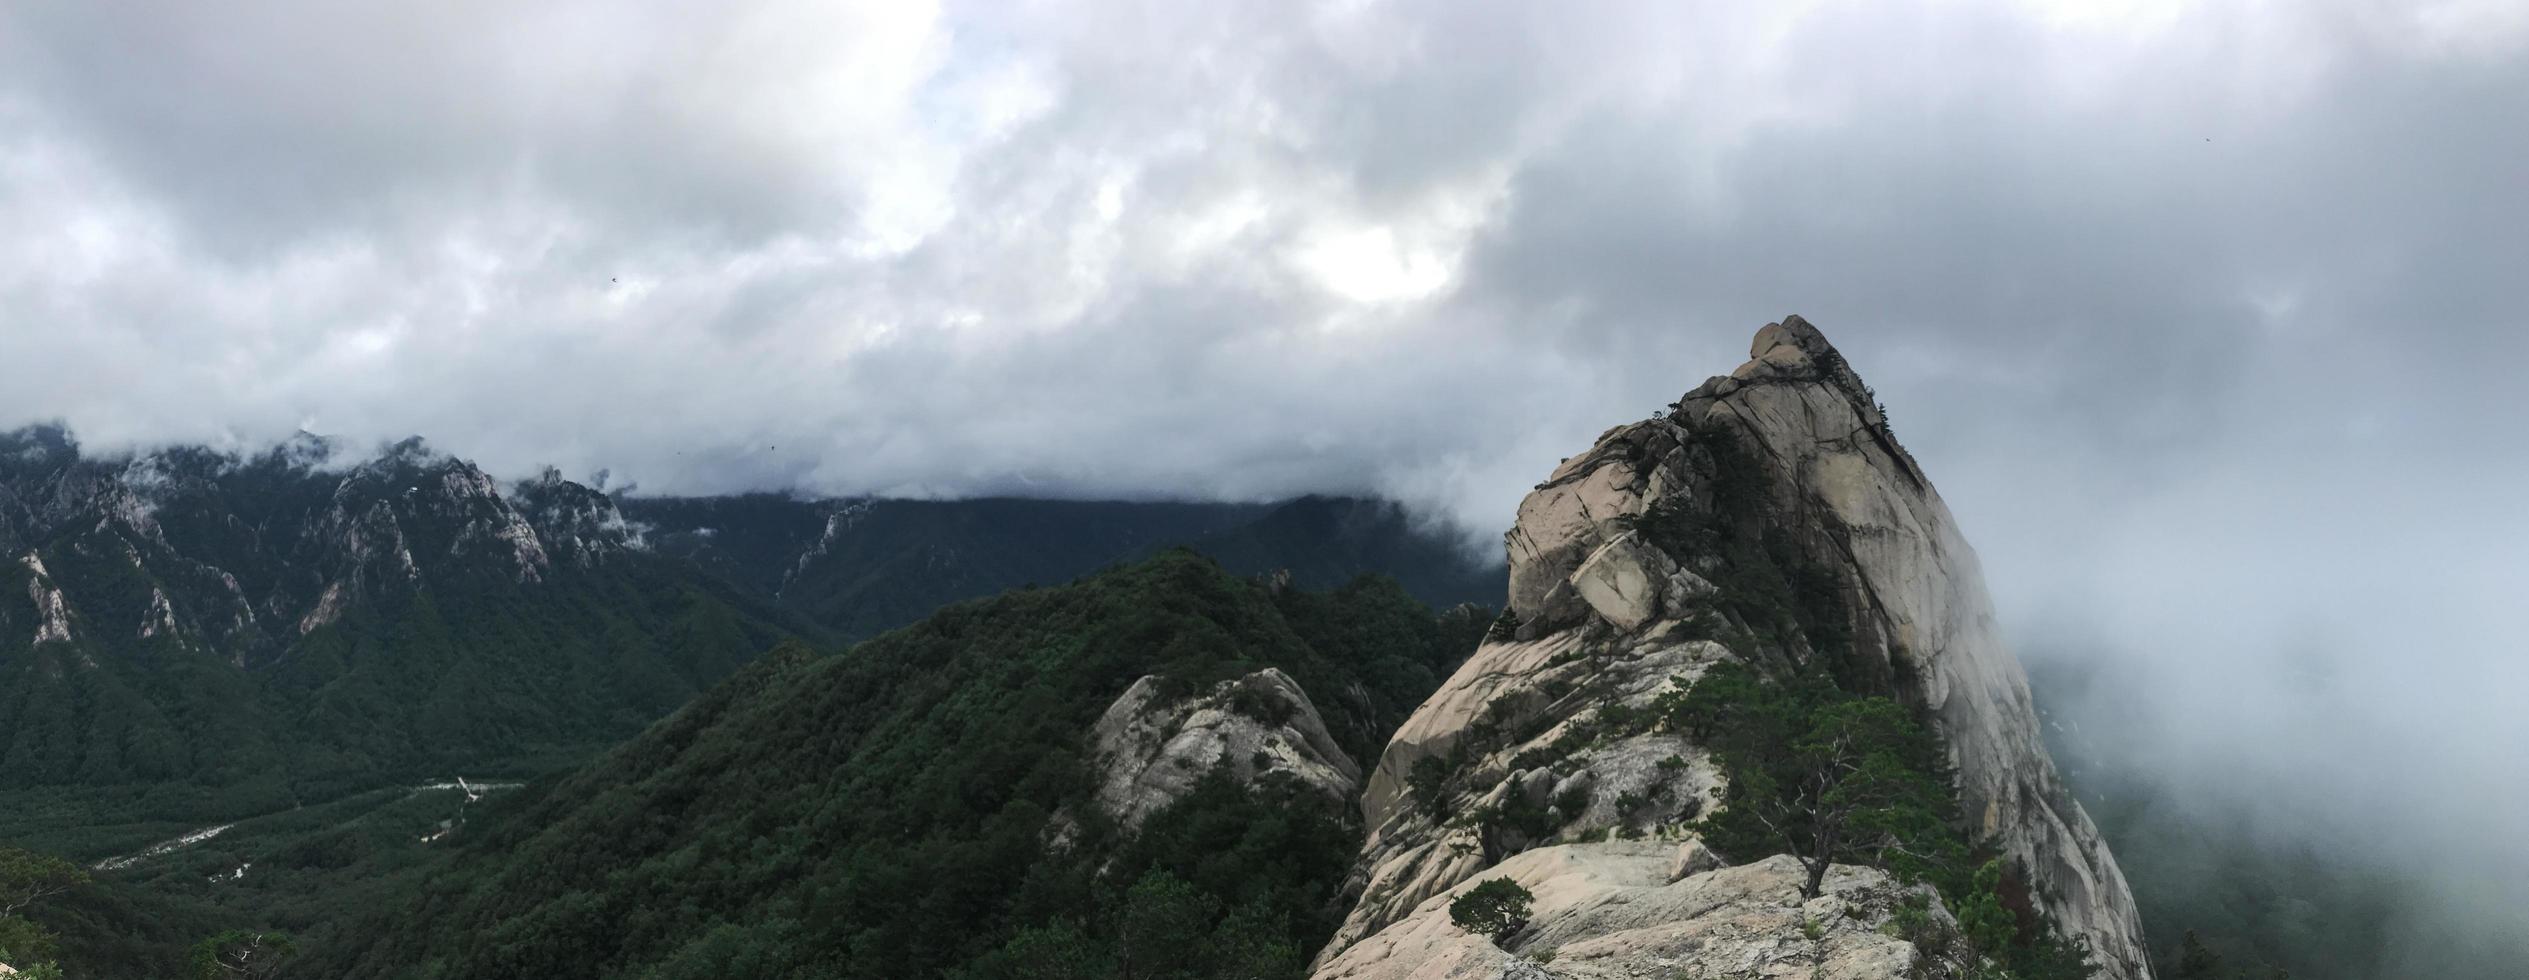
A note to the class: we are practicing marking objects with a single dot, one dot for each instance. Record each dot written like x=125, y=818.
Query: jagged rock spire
x=1792, y=444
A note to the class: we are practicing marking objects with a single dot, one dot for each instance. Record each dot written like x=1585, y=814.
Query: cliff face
x=1856, y=549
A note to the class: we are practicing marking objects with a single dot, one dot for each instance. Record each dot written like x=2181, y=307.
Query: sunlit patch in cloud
x=1369, y=265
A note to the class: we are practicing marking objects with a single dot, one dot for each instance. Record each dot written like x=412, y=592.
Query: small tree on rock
x=1495, y=908
x=27, y=878
x=1816, y=774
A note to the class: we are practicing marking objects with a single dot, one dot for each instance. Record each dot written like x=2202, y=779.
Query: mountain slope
x=865, y=566
x=1768, y=527
x=1325, y=541
x=893, y=810
x=276, y=629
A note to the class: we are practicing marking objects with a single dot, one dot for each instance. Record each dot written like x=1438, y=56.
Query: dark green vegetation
x=873, y=565
x=1161, y=927
x=1495, y=908
x=1324, y=542
x=240, y=954
x=885, y=811
x=861, y=567
x=1824, y=777
x=1833, y=777
x=297, y=871
x=29, y=882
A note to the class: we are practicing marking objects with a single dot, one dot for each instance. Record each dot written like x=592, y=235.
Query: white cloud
x=2205, y=316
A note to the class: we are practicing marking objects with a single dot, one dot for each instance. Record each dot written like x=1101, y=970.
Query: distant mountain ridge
x=195, y=616
x=862, y=566
x=203, y=616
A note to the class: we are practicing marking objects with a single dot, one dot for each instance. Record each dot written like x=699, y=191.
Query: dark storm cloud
x=2207, y=317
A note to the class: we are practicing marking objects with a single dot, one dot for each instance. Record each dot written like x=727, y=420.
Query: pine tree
x=2197, y=961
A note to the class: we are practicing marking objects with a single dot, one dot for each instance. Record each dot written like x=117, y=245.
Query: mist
x=2305, y=659
x=2205, y=317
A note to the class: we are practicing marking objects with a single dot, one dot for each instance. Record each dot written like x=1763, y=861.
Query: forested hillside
x=191, y=634
x=887, y=811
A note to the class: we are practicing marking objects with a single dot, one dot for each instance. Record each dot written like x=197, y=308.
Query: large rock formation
x=1615, y=911
x=1767, y=514
x=1153, y=748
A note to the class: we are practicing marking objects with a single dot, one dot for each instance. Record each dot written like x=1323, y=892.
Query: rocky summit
x=1766, y=515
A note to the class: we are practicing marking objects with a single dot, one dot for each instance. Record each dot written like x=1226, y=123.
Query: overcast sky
x=2208, y=319
x=1221, y=250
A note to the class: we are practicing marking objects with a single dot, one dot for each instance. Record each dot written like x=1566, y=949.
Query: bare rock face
x=1781, y=479
x=311, y=542
x=52, y=615
x=576, y=525
x=1611, y=910
x=1152, y=749
x=1513, y=752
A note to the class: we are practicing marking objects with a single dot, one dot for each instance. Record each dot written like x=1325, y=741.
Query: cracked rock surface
x=1611, y=910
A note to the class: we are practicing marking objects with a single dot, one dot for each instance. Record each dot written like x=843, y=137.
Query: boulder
x=1631, y=584
x=1151, y=750
x=1693, y=858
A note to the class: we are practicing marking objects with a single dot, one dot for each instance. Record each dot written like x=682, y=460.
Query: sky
x=2207, y=318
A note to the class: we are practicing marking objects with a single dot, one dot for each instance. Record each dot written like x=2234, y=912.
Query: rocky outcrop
x=52, y=614
x=1611, y=910
x=576, y=525
x=1529, y=744
x=1152, y=748
x=160, y=618
x=1778, y=487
